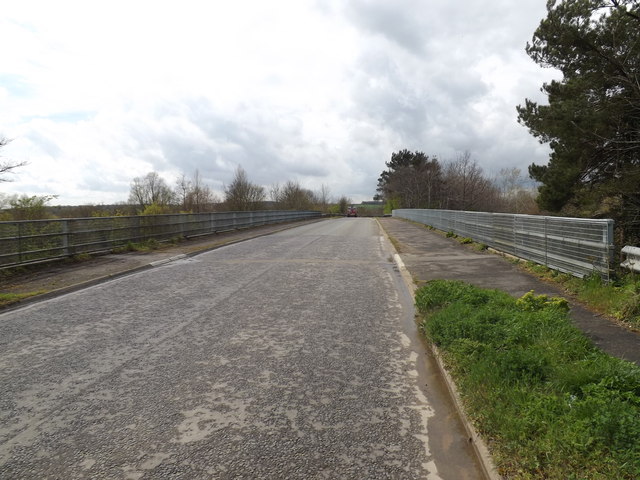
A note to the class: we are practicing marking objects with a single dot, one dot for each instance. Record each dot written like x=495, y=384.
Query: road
x=293, y=355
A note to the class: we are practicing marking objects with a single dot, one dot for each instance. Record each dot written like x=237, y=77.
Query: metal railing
x=26, y=242
x=632, y=261
x=577, y=246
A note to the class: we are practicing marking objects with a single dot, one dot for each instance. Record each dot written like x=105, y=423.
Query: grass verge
x=619, y=298
x=7, y=299
x=550, y=405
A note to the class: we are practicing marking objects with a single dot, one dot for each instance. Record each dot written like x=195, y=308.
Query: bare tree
x=275, y=192
x=150, y=190
x=515, y=197
x=466, y=187
x=291, y=196
x=324, y=197
x=509, y=179
x=242, y=195
x=183, y=187
x=8, y=167
x=199, y=197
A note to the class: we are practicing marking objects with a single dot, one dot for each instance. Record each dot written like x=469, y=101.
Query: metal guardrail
x=574, y=245
x=27, y=242
x=632, y=261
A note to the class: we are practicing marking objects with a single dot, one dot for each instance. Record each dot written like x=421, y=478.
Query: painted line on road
x=479, y=446
x=399, y=261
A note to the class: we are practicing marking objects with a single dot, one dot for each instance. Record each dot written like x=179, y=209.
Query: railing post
x=514, y=230
x=20, y=257
x=136, y=228
x=546, y=242
x=610, y=246
x=65, y=238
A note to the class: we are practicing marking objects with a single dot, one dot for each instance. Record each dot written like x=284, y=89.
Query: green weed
x=619, y=298
x=550, y=404
x=7, y=299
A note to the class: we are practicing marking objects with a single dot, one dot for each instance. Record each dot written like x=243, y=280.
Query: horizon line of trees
x=151, y=194
x=415, y=180
x=591, y=122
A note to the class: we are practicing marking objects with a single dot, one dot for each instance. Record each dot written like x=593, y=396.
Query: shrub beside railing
x=25, y=242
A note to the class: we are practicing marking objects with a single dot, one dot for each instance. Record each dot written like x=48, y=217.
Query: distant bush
x=155, y=209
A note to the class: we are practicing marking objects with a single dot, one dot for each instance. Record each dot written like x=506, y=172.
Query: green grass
x=619, y=298
x=481, y=247
x=550, y=405
x=7, y=299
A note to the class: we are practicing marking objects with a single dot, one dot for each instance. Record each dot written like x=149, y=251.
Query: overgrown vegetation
x=7, y=299
x=619, y=298
x=550, y=404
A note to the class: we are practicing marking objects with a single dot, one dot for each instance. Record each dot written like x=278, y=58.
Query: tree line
x=591, y=122
x=415, y=180
x=152, y=195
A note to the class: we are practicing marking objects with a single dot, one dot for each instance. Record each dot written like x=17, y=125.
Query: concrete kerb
x=479, y=446
x=99, y=280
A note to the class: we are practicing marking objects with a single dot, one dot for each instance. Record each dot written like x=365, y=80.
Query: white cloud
x=96, y=93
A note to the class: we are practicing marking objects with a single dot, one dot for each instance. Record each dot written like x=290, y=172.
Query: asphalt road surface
x=292, y=355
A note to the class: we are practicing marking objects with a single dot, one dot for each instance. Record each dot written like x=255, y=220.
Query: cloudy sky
x=94, y=93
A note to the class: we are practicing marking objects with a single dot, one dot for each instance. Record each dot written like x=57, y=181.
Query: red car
x=352, y=212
